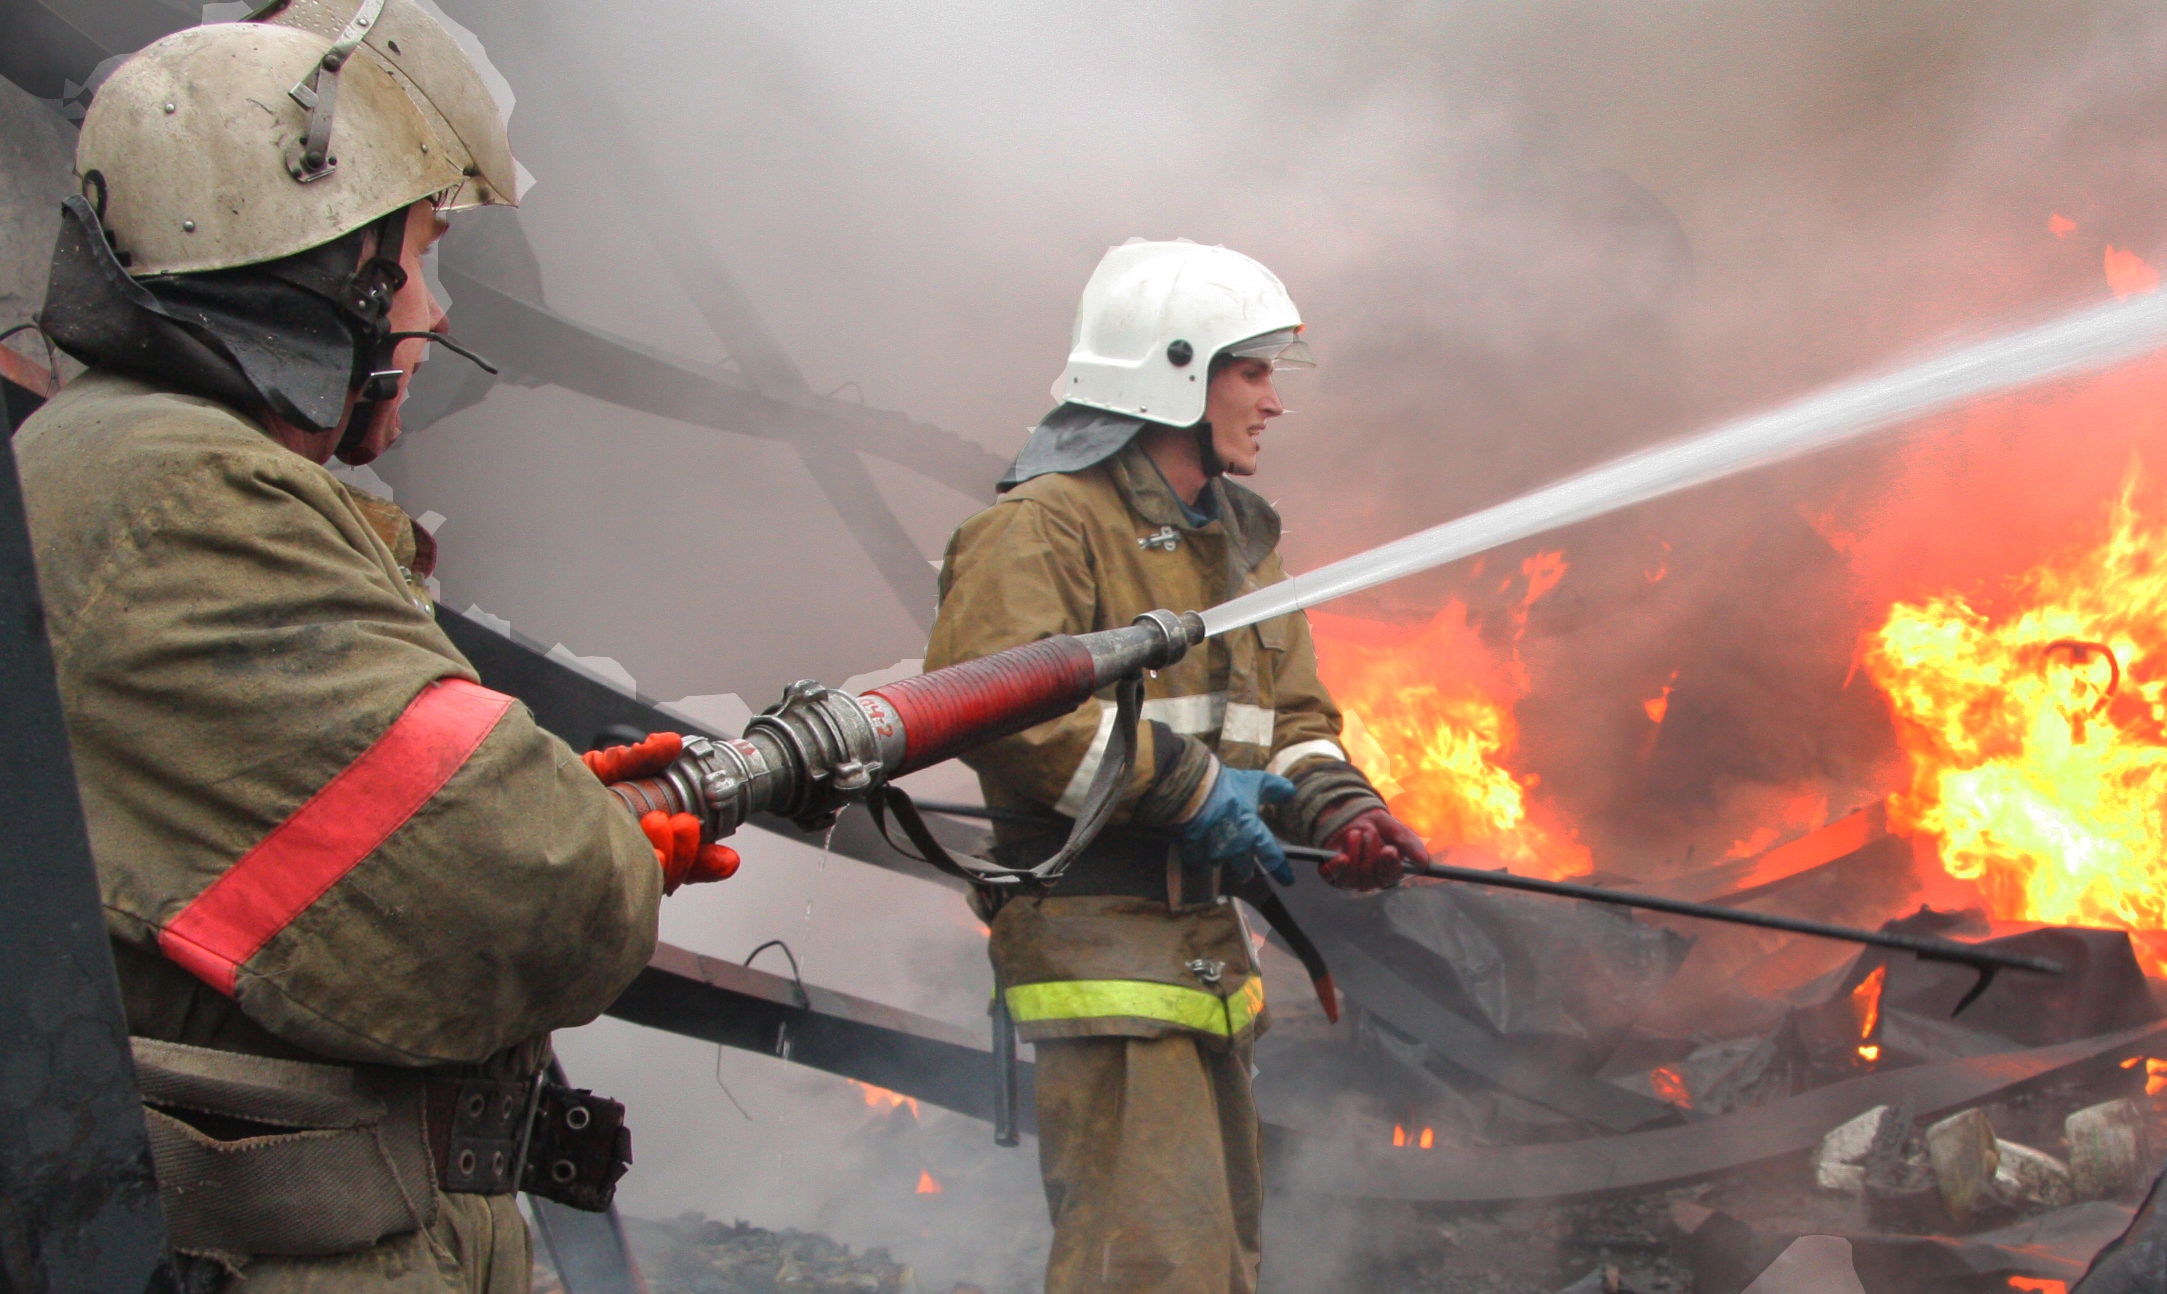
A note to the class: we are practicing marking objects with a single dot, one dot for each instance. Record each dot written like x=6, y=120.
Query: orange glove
x=683, y=859
x=675, y=837
x=625, y=763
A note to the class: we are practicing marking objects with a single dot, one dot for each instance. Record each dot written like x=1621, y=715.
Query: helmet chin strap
x=1207, y=453
x=367, y=299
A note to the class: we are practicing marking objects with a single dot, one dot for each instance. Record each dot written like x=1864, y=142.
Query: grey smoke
x=1528, y=238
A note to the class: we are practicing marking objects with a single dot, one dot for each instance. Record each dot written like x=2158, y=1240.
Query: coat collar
x=1251, y=525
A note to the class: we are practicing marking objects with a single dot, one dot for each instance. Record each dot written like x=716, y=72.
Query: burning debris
x=695, y=1255
x=2035, y=734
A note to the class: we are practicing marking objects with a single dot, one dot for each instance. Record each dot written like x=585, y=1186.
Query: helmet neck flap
x=290, y=337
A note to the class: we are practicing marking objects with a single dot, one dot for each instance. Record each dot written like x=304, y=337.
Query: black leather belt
x=493, y=1136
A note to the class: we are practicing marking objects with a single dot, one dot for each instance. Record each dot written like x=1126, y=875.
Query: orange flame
x=1866, y=1009
x=1429, y=1138
x=880, y=1098
x=2060, y=225
x=1399, y=1135
x=927, y=1183
x=2038, y=736
x=2128, y=274
x=1669, y=1086
x=1428, y=713
x=1659, y=705
x=2155, y=1076
x=2039, y=1284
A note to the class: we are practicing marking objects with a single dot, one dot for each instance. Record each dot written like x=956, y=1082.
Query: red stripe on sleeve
x=329, y=836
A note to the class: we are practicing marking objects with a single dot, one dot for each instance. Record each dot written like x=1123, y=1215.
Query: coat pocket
x=259, y=1156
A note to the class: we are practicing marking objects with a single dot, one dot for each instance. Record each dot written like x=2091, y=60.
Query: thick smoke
x=1526, y=237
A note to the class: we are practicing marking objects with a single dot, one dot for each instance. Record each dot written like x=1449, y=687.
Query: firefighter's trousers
x=1154, y=1175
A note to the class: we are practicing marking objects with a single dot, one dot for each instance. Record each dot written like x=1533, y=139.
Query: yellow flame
x=2038, y=735
x=1428, y=716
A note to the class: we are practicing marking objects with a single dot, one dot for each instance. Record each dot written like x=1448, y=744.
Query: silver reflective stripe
x=1248, y=723
x=1079, y=783
x=1190, y=715
x=1302, y=750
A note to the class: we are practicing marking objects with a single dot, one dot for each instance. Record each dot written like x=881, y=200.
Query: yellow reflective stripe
x=1090, y=999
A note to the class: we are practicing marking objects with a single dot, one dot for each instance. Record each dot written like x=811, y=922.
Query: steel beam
x=81, y=1210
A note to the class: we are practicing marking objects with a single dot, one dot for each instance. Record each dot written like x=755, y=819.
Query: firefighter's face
x=414, y=309
x=1241, y=400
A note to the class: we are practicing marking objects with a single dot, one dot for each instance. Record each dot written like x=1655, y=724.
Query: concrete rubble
x=1965, y=1155
x=2107, y=1148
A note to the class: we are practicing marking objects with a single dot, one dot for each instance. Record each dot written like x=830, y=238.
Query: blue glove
x=1227, y=830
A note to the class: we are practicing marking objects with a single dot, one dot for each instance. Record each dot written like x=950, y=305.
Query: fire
x=1426, y=1139
x=880, y=1098
x=1428, y=712
x=2128, y=274
x=2060, y=225
x=2155, y=1073
x=1659, y=705
x=928, y=1184
x=1796, y=813
x=1669, y=1086
x=2039, y=1284
x=2038, y=735
x=1866, y=1009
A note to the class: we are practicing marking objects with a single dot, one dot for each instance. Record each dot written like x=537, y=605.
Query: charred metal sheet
x=1665, y=1157
x=2134, y=1262
x=580, y=709
x=1837, y=844
x=722, y=1002
x=1335, y=924
x=587, y=1249
x=1728, y=1255
x=82, y=1209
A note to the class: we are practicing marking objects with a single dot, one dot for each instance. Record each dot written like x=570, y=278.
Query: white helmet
x=234, y=144
x=1155, y=315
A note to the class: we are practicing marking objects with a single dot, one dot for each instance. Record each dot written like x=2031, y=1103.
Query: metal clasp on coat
x=1208, y=971
x=1168, y=539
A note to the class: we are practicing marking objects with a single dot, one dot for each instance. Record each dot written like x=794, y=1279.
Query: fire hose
x=820, y=749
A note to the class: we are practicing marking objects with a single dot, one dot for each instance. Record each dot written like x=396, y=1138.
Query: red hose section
x=648, y=795
x=956, y=709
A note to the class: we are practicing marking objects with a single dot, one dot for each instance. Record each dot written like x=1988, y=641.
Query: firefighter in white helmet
x=1134, y=974
x=350, y=891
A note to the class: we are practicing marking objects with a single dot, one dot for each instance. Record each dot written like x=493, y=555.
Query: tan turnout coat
x=232, y=637
x=1070, y=553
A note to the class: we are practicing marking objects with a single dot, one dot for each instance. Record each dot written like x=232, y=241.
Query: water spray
x=2075, y=344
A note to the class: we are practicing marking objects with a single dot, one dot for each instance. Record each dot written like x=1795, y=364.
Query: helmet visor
x=1283, y=347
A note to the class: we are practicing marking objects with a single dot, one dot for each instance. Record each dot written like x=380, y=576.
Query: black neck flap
x=240, y=337
x=291, y=337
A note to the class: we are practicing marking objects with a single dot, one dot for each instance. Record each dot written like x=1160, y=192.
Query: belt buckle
x=488, y=1126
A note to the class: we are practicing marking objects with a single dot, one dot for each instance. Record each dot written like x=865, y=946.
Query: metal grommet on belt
x=563, y=1171
x=466, y=1163
x=577, y=1118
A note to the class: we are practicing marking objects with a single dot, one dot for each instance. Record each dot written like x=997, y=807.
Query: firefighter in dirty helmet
x=350, y=891
x=1133, y=974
